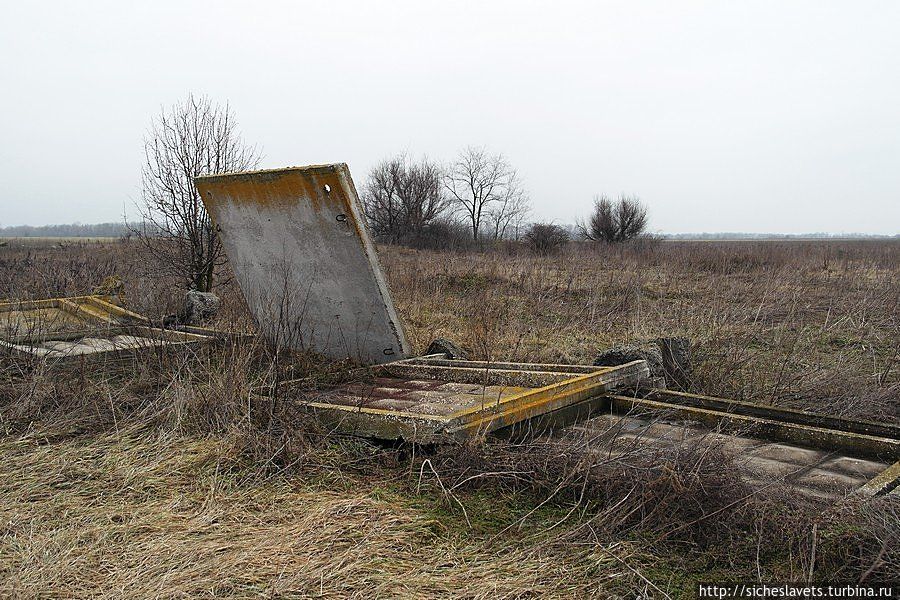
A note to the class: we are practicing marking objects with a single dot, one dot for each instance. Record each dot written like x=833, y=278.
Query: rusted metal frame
x=799, y=417
x=83, y=307
x=384, y=412
x=392, y=424
x=526, y=405
x=155, y=338
x=363, y=371
x=411, y=368
x=25, y=350
x=486, y=417
x=63, y=305
x=166, y=335
x=559, y=390
x=29, y=304
x=208, y=332
x=853, y=444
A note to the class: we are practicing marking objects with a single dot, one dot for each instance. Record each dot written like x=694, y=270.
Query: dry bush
x=191, y=138
x=615, y=222
x=609, y=489
x=860, y=540
x=545, y=238
x=40, y=270
x=686, y=502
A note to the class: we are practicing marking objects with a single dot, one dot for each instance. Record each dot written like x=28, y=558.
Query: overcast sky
x=722, y=116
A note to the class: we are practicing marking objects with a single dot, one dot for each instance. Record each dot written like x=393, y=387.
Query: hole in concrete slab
x=327, y=189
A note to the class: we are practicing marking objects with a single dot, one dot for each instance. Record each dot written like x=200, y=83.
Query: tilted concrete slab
x=297, y=242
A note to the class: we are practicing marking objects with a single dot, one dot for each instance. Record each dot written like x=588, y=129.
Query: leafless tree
x=479, y=184
x=507, y=214
x=613, y=222
x=195, y=137
x=402, y=198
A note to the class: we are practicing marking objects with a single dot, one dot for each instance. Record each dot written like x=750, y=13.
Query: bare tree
x=403, y=198
x=507, y=214
x=613, y=222
x=477, y=182
x=195, y=137
x=601, y=224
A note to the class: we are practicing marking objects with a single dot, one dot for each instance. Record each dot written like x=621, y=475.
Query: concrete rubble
x=668, y=359
x=447, y=348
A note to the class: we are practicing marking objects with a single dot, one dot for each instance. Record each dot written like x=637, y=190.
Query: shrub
x=612, y=222
x=545, y=238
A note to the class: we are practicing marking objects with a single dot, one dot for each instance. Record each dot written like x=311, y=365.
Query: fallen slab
x=61, y=330
x=431, y=399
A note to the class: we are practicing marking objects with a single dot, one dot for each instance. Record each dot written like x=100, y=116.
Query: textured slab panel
x=297, y=243
x=760, y=463
x=35, y=322
x=83, y=327
x=441, y=398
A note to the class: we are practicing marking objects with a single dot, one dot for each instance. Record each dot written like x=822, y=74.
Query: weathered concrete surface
x=774, y=427
x=297, y=242
x=676, y=360
x=87, y=327
x=668, y=359
x=393, y=406
x=759, y=462
x=198, y=307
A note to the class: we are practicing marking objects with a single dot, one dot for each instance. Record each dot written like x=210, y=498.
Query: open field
x=40, y=241
x=169, y=480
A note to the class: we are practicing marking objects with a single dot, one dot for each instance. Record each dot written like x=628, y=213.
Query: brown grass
x=167, y=479
x=803, y=324
x=133, y=515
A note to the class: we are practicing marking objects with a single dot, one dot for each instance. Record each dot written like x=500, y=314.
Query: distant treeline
x=122, y=230
x=775, y=236
x=69, y=230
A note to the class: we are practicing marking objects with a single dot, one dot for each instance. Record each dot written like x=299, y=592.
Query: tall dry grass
x=169, y=477
x=803, y=324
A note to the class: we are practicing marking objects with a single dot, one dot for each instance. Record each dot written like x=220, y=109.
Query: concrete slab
x=297, y=242
x=760, y=464
x=431, y=409
x=82, y=327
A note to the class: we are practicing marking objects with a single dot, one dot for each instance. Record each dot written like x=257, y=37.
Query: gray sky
x=722, y=116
